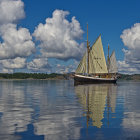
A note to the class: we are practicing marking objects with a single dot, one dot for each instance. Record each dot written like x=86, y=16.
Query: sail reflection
x=95, y=99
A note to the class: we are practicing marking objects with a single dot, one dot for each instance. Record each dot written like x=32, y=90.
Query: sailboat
x=93, y=67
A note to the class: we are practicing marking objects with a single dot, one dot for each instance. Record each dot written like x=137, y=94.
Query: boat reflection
x=97, y=100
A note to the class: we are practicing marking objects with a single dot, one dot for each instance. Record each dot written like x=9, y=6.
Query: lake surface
x=58, y=110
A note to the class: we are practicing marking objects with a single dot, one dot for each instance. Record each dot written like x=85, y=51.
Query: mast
x=108, y=60
x=88, y=50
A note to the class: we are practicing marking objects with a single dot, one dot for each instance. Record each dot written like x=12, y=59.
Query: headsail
x=82, y=67
x=112, y=63
x=97, y=62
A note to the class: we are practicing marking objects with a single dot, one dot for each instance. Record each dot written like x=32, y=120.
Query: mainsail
x=97, y=59
x=97, y=63
x=112, y=64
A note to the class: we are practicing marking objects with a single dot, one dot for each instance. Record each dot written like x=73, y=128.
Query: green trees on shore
x=29, y=75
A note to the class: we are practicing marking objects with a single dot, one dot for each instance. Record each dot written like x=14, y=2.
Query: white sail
x=97, y=62
x=82, y=67
x=113, y=64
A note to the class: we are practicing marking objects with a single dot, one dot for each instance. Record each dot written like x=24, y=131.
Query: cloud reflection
x=58, y=116
x=15, y=113
x=131, y=120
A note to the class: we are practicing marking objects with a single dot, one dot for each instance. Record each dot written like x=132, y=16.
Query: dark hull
x=84, y=80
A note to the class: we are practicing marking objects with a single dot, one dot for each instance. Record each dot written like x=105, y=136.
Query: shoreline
x=119, y=80
x=55, y=76
x=35, y=79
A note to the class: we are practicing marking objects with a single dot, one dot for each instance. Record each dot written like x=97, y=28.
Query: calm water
x=57, y=110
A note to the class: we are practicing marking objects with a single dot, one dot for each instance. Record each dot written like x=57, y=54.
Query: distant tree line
x=129, y=77
x=30, y=75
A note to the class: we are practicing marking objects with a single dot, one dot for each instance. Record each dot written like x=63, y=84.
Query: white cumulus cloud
x=39, y=65
x=14, y=63
x=9, y=65
x=131, y=39
x=11, y=11
x=6, y=70
x=64, y=68
x=16, y=42
x=59, y=37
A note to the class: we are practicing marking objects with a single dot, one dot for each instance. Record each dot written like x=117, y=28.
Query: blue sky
x=106, y=17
